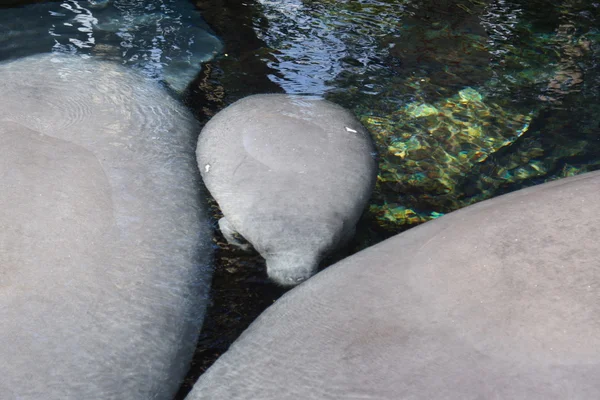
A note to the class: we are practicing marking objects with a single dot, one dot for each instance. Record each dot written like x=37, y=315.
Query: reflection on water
x=166, y=39
x=315, y=41
x=466, y=99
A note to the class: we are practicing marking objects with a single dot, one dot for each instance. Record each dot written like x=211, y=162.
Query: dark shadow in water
x=445, y=41
x=240, y=291
x=240, y=288
x=241, y=70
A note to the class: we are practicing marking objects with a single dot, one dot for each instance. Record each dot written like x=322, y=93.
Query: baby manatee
x=292, y=175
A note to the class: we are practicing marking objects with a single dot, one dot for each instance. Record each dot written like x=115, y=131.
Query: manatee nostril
x=291, y=268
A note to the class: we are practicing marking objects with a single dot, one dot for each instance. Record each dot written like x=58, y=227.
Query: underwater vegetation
x=466, y=99
x=429, y=150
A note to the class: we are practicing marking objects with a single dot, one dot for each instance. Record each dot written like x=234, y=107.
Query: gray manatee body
x=291, y=174
x=499, y=300
x=104, y=242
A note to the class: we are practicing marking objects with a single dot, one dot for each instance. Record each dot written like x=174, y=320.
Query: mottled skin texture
x=499, y=300
x=291, y=174
x=104, y=245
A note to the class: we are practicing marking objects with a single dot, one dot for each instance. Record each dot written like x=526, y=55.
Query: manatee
x=291, y=175
x=499, y=300
x=105, y=246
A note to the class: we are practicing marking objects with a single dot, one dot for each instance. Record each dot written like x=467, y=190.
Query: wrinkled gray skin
x=104, y=245
x=499, y=300
x=291, y=174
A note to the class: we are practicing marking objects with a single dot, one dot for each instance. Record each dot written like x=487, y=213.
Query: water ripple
x=167, y=40
x=318, y=41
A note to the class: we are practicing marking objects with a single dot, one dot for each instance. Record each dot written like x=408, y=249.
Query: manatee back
x=105, y=245
x=276, y=161
x=495, y=301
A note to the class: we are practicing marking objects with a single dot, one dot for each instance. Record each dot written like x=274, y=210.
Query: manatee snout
x=295, y=246
x=291, y=269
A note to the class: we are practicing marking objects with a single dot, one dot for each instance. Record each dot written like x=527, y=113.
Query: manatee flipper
x=232, y=236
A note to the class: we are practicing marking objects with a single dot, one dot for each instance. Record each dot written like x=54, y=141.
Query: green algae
x=446, y=145
x=426, y=150
x=466, y=99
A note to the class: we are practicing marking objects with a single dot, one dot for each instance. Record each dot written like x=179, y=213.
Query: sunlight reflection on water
x=317, y=41
x=167, y=40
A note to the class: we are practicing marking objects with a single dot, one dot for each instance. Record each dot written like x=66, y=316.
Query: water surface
x=467, y=99
x=165, y=39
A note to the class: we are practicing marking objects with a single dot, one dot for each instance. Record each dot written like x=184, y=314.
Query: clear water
x=166, y=39
x=316, y=41
x=467, y=99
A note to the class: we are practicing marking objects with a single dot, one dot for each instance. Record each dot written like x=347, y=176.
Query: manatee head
x=294, y=245
x=292, y=268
